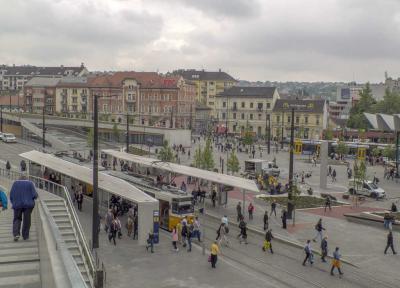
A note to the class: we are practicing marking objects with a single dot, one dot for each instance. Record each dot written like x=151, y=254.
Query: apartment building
x=310, y=118
x=13, y=78
x=40, y=95
x=241, y=108
x=208, y=84
x=72, y=96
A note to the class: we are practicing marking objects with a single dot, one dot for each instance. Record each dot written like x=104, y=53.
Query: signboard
x=156, y=226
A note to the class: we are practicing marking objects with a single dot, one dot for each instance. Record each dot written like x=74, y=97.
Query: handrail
x=62, y=192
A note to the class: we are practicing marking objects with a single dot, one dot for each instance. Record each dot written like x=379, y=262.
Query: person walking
x=113, y=231
x=250, y=209
x=265, y=220
x=318, y=228
x=243, y=232
x=129, y=226
x=150, y=242
x=273, y=207
x=22, y=165
x=196, y=229
x=214, y=254
x=224, y=220
x=239, y=211
x=389, y=243
x=175, y=239
x=268, y=241
x=309, y=255
x=79, y=200
x=328, y=203
x=329, y=170
x=189, y=237
x=108, y=219
x=223, y=235
x=135, y=227
x=324, y=248
x=119, y=227
x=184, y=233
x=336, y=261
x=3, y=199
x=8, y=167
x=334, y=175
x=284, y=218
x=213, y=197
x=22, y=197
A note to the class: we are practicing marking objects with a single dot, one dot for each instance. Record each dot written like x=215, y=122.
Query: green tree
x=376, y=152
x=389, y=152
x=208, y=157
x=90, y=137
x=115, y=132
x=197, y=159
x=248, y=138
x=342, y=149
x=166, y=154
x=366, y=103
x=233, y=163
x=328, y=134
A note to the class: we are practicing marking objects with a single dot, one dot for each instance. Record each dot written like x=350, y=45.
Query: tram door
x=164, y=214
x=297, y=147
x=361, y=151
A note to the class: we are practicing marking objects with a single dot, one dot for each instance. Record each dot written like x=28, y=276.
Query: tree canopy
x=233, y=163
x=166, y=154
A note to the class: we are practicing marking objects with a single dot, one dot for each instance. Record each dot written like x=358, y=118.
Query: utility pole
x=190, y=122
x=44, y=127
x=127, y=133
x=1, y=119
x=95, y=212
x=10, y=101
x=291, y=147
x=283, y=123
x=268, y=132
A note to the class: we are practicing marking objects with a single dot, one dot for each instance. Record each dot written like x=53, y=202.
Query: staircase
x=58, y=210
x=19, y=261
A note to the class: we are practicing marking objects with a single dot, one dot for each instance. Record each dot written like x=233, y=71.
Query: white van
x=9, y=138
x=366, y=188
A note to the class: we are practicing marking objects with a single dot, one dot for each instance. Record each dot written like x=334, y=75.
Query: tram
x=174, y=204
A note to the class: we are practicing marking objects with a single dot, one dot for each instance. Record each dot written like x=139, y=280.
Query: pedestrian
x=329, y=170
x=318, y=228
x=179, y=230
x=214, y=254
x=243, y=232
x=184, y=233
x=239, y=211
x=324, y=248
x=265, y=220
x=393, y=208
x=213, y=197
x=189, y=237
x=150, y=242
x=224, y=220
x=175, y=239
x=268, y=241
x=309, y=255
x=119, y=227
x=334, y=175
x=129, y=226
x=23, y=165
x=223, y=235
x=135, y=227
x=196, y=229
x=284, y=218
x=3, y=199
x=273, y=207
x=336, y=261
x=328, y=203
x=108, y=219
x=389, y=243
x=79, y=200
x=113, y=231
x=22, y=196
x=250, y=209
x=8, y=167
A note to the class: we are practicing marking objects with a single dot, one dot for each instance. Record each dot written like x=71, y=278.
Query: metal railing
x=62, y=192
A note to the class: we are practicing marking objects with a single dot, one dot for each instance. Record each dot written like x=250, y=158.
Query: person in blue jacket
x=3, y=199
x=22, y=197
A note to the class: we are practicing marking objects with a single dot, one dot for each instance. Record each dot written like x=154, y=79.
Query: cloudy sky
x=303, y=40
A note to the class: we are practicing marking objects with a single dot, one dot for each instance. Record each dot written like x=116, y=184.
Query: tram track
x=356, y=279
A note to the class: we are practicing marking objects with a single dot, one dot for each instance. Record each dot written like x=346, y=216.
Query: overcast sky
x=284, y=40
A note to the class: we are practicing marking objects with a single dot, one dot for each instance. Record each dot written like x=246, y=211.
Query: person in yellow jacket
x=214, y=254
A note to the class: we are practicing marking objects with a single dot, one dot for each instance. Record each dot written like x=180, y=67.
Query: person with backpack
x=250, y=209
x=309, y=255
x=265, y=220
x=324, y=248
x=243, y=232
x=150, y=242
x=119, y=227
x=318, y=228
x=268, y=241
x=223, y=235
x=336, y=261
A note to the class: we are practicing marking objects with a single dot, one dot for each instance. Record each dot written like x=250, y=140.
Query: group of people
x=113, y=226
x=184, y=232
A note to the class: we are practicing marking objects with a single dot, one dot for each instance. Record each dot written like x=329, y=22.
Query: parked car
x=1, y=135
x=366, y=188
x=9, y=138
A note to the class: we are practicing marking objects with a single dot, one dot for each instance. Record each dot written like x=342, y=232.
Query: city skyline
x=251, y=40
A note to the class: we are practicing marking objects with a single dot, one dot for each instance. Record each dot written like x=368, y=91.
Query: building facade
x=208, y=85
x=40, y=95
x=245, y=109
x=72, y=96
x=310, y=118
x=13, y=78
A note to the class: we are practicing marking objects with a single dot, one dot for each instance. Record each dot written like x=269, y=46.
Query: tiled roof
x=42, y=82
x=73, y=82
x=311, y=106
x=246, y=91
x=41, y=71
x=204, y=75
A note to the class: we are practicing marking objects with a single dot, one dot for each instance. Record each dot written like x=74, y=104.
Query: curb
x=282, y=239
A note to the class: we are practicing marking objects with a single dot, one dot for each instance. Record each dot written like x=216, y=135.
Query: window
x=297, y=119
x=259, y=106
x=74, y=91
x=234, y=106
x=223, y=115
x=224, y=104
x=251, y=116
x=306, y=119
x=278, y=119
x=259, y=116
x=243, y=105
x=234, y=115
x=251, y=105
x=317, y=120
x=242, y=116
x=288, y=119
x=268, y=105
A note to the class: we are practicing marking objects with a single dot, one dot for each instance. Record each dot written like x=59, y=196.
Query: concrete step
x=74, y=251
x=21, y=281
x=64, y=226
x=56, y=209
x=60, y=214
x=60, y=220
x=67, y=233
x=19, y=258
x=18, y=251
x=15, y=269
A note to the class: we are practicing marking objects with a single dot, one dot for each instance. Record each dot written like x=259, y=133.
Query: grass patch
x=301, y=202
x=138, y=151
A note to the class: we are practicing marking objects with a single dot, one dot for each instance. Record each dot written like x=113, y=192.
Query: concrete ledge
x=369, y=219
x=280, y=238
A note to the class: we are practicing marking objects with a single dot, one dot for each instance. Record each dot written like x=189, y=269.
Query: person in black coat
x=269, y=237
x=284, y=218
x=389, y=243
x=324, y=248
x=265, y=220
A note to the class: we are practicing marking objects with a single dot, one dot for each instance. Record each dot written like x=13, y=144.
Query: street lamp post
x=283, y=115
x=268, y=131
x=291, y=148
x=95, y=212
x=127, y=133
x=44, y=127
x=1, y=119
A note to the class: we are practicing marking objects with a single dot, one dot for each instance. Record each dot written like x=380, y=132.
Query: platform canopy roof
x=224, y=179
x=384, y=122
x=107, y=182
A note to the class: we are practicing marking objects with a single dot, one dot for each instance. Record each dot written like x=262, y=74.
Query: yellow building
x=242, y=108
x=208, y=85
x=310, y=118
x=72, y=96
